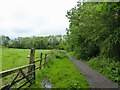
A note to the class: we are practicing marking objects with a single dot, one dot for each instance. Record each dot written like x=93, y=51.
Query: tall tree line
x=38, y=42
x=94, y=30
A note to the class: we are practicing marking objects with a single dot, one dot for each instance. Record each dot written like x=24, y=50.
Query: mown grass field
x=12, y=58
x=59, y=69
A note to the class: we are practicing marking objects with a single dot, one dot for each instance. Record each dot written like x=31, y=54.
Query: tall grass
x=62, y=73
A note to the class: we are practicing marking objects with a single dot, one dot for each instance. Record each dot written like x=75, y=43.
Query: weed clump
x=108, y=67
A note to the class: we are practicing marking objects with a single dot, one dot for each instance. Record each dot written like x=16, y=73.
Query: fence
x=26, y=73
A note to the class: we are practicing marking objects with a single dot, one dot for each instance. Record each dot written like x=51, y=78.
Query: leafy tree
x=94, y=30
x=47, y=42
x=5, y=40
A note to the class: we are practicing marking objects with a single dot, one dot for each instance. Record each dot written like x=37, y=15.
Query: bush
x=106, y=66
x=88, y=51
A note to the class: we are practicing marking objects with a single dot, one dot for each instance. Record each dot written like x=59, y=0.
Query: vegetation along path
x=95, y=79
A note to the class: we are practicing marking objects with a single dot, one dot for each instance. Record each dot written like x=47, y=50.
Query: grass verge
x=62, y=73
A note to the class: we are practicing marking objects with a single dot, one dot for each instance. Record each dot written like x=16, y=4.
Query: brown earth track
x=95, y=79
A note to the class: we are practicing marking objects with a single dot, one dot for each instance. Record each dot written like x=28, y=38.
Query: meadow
x=12, y=58
x=59, y=70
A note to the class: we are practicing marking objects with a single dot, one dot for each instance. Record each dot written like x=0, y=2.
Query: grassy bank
x=62, y=73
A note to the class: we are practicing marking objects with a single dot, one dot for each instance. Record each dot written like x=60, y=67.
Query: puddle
x=46, y=83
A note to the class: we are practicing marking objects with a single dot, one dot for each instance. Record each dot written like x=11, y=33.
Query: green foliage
x=47, y=42
x=111, y=46
x=108, y=67
x=94, y=34
x=94, y=30
x=62, y=72
x=4, y=40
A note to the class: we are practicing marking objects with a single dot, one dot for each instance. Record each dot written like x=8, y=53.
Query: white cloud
x=34, y=17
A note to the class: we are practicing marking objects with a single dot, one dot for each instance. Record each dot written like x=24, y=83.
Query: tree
x=5, y=41
x=94, y=30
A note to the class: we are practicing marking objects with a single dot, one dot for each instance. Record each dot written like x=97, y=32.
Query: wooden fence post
x=40, y=60
x=32, y=53
x=45, y=59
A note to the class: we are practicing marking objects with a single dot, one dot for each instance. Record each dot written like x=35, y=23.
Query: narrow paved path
x=95, y=79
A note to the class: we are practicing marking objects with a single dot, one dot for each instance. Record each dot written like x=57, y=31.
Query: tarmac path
x=95, y=79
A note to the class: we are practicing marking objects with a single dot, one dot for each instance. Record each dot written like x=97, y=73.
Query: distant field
x=12, y=58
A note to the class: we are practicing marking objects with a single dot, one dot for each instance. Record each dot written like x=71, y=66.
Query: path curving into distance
x=95, y=79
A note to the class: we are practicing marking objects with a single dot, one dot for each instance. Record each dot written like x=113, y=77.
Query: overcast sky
x=20, y=18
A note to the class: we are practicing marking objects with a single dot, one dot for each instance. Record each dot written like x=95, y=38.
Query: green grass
x=59, y=69
x=108, y=67
x=62, y=72
x=12, y=58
